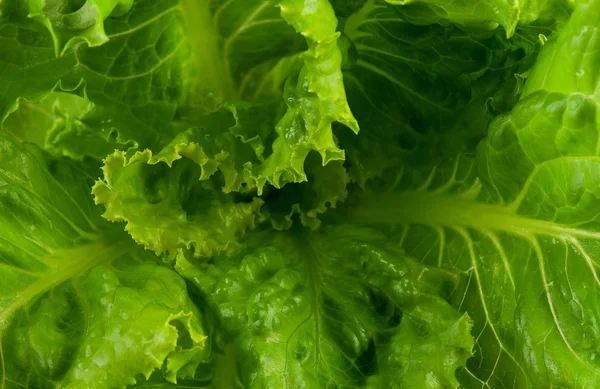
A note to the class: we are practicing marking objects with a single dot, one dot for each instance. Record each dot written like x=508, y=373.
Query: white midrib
x=420, y=207
x=68, y=264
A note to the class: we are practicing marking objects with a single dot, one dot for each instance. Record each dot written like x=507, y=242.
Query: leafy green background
x=299, y=194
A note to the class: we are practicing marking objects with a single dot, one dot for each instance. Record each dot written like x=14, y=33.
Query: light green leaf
x=235, y=136
x=241, y=49
x=132, y=81
x=68, y=22
x=58, y=125
x=520, y=218
x=79, y=305
x=315, y=99
x=337, y=308
x=169, y=200
x=486, y=14
x=97, y=328
x=226, y=147
x=161, y=55
x=30, y=123
x=30, y=69
x=248, y=154
x=574, y=73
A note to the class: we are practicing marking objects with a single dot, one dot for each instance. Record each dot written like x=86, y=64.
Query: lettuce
x=299, y=194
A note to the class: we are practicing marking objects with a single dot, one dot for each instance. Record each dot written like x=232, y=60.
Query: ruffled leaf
x=169, y=201
x=80, y=305
x=339, y=307
x=315, y=99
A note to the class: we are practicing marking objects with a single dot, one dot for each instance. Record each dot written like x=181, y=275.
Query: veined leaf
x=486, y=14
x=69, y=22
x=140, y=55
x=79, y=305
x=424, y=93
x=161, y=54
x=338, y=308
x=520, y=218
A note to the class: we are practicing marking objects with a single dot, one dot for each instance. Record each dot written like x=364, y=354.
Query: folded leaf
x=140, y=55
x=77, y=306
x=574, y=73
x=170, y=202
x=324, y=189
x=159, y=56
x=487, y=14
x=315, y=99
x=242, y=50
x=520, y=218
x=58, y=125
x=424, y=93
x=68, y=22
x=339, y=307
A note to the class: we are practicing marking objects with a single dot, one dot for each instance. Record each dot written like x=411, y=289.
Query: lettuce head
x=299, y=194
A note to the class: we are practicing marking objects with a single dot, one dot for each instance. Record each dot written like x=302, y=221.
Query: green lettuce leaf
x=325, y=188
x=68, y=22
x=520, y=219
x=315, y=99
x=58, y=125
x=255, y=67
x=486, y=14
x=424, y=93
x=336, y=308
x=80, y=305
x=169, y=200
x=132, y=81
x=462, y=248
x=227, y=136
x=159, y=56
